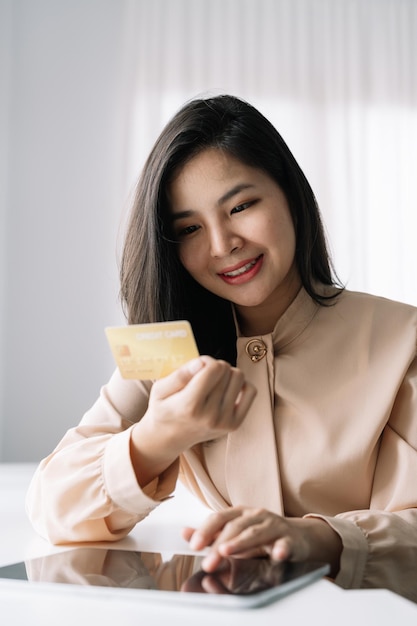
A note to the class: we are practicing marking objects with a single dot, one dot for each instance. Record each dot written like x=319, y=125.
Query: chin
x=249, y=303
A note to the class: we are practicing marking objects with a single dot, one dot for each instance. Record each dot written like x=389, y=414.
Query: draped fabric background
x=338, y=78
x=86, y=87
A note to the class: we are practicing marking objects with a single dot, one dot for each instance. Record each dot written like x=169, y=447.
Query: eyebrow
x=227, y=196
x=234, y=191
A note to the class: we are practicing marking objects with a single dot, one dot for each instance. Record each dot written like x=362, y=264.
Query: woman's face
x=235, y=232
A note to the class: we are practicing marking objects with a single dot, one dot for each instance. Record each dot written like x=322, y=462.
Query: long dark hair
x=154, y=284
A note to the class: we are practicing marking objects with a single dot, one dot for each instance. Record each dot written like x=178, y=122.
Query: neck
x=261, y=319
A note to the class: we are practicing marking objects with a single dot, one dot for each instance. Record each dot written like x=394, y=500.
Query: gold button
x=256, y=350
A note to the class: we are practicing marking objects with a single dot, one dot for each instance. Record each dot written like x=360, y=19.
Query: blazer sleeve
x=86, y=490
x=380, y=544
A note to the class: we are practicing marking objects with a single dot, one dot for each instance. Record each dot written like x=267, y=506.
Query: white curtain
x=86, y=86
x=338, y=78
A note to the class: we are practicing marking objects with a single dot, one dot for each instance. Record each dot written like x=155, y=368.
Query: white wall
x=5, y=62
x=61, y=198
x=86, y=86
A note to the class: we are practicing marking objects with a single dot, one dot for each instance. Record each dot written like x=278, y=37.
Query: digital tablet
x=240, y=583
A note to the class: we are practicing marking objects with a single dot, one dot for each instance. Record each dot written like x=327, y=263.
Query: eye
x=241, y=207
x=184, y=232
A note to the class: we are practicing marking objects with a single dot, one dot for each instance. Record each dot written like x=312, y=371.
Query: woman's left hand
x=248, y=532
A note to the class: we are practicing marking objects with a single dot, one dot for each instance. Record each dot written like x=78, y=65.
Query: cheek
x=285, y=232
x=190, y=258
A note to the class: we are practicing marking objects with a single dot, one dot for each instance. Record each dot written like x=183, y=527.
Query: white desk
x=321, y=603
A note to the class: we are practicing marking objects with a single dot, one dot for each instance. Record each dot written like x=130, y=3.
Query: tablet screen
x=240, y=582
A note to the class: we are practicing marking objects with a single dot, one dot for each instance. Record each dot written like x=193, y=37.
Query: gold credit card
x=151, y=351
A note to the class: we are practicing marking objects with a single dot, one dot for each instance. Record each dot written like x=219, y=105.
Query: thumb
x=176, y=381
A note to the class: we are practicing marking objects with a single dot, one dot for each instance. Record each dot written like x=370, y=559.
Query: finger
x=213, y=562
x=211, y=584
x=220, y=391
x=231, y=391
x=193, y=583
x=244, y=401
x=213, y=381
x=210, y=529
x=221, y=376
x=187, y=532
x=221, y=401
x=230, y=399
x=179, y=379
x=282, y=550
x=253, y=533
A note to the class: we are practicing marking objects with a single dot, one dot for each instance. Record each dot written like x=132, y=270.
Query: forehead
x=212, y=161
x=212, y=173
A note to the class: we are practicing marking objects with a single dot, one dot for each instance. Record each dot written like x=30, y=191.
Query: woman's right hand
x=203, y=400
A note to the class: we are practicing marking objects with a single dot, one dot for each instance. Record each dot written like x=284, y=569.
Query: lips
x=243, y=271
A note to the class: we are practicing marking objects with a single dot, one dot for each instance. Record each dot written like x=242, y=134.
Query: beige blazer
x=332, y=433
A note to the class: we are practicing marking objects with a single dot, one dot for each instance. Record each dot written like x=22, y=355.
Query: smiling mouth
x=241, y=270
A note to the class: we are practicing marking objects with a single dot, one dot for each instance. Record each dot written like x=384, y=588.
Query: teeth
x=241, y=270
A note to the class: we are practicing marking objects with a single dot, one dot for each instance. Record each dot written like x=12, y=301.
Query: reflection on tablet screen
x=103, y=567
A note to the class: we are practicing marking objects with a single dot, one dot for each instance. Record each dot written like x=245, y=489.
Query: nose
x=223, y=241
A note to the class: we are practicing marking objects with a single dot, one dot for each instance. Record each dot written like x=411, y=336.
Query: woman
x=298, y=425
